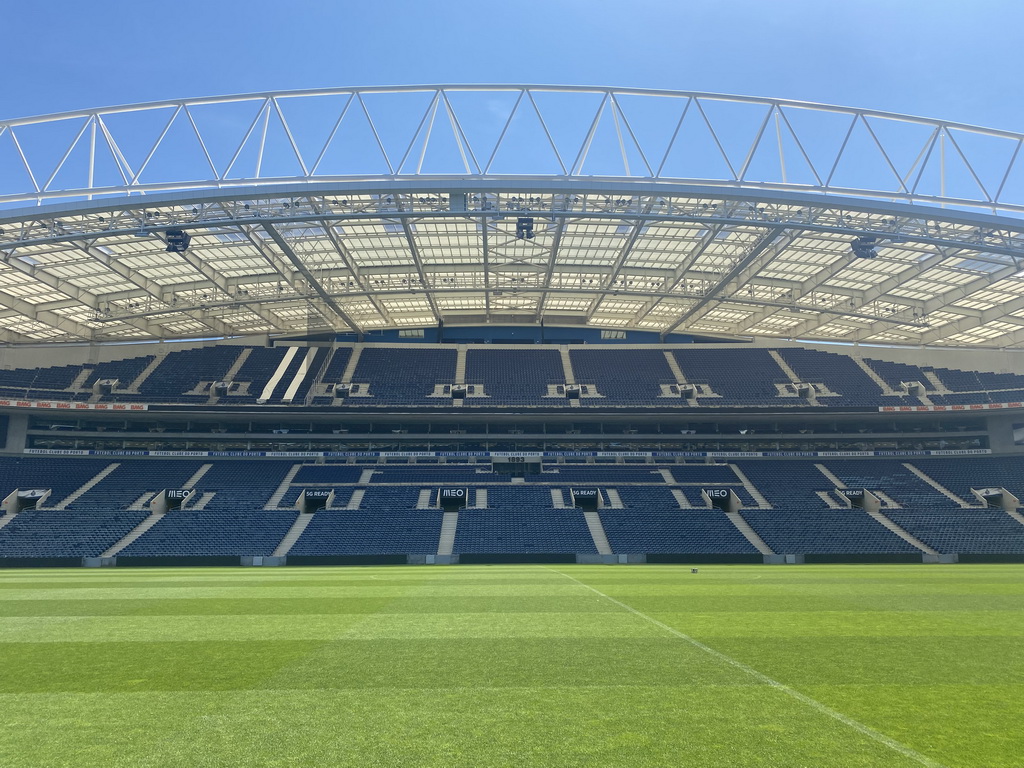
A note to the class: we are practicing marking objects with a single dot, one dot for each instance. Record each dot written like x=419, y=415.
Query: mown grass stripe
x=868, y=731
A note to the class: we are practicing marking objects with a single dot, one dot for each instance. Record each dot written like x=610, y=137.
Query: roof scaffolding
x=324, y=211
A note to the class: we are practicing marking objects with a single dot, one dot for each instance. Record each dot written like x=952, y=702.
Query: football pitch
x=514, y=666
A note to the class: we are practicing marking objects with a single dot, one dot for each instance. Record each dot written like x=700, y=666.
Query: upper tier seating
x=404, y=376
x=840, y=374
x=623, y=377
x=181, y=372
x=740, y=376
x=514, y=376
x=736, y=376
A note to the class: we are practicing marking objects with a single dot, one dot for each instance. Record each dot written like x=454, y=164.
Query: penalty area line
x=803, y=698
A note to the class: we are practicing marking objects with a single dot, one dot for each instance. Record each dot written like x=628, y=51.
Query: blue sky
x=937, y=58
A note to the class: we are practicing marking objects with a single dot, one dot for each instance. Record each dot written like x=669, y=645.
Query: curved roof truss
x=643, y=255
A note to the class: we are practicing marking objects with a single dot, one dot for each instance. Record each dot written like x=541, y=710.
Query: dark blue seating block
x=663, y=529
x=65, y=534
x=204, y=533
x=371, y=532
x=515, y=376
x=964, y=531
x=834, y=531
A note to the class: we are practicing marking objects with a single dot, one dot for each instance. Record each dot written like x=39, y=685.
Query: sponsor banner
x=64, y=406
x=941, y=408
x=501, y=455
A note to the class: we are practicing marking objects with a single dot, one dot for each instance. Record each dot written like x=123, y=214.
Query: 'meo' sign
x=452, y=497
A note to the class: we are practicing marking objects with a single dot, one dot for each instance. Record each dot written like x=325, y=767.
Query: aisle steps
x=749, y=533
x=86, y=487
x=133, y=534
x=449, y=523
x=597, y=532
x=292, y=536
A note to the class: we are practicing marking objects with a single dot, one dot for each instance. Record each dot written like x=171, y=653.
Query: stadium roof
x=361, y=209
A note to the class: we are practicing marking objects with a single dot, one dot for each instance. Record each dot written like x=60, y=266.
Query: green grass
x=513, y=665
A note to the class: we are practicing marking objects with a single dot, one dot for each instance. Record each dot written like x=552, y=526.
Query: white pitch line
x=871, y=733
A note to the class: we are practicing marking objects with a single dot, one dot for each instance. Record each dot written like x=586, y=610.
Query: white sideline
x=871, y=733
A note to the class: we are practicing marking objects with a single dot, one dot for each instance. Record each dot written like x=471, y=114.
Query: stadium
x=610, y=327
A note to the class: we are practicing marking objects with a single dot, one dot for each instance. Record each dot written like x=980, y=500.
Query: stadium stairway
x=567, y=372
x=938, y=487
x=749, y=533
x=901, y=532
x=597, y=532
x=762, y=502
x=293, y=535
x=449, y=524
x=673, y=365
x=189, y=484
x=133, y=534
x=882, y=383
x=133, y=387
x=84, y=489
x=784, y=366
x=282, y=489
x=5, y=519
x=680, y=497
x=828, y=474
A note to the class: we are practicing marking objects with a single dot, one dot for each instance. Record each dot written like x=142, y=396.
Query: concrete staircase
x=446, y=542
x=140, y=503
x=275, y=499
x=205, y=499
x=460, y=364
x=933, y=378
x=237, y=365
x=6, y=519
x=939, y=487
x=350, y=368
x=292, y=536
x=356, y=498
x=614, y=500
x=828, y=474
x=366, y=476
x=557, y=499
x=597, y=532
x=781, y=362
x=481, y=499
x=423, y=502
x=681, y=500
x=762, y=502
x=749, y=533
x=903, y=534
x=191, y=482
x=673, y=365
x=144, y=374
x=886, y=389
x=1015, y=515
x=79, y=382
x=86, y=487
x=570, y=377
x=133, y=534
x=828, y=499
